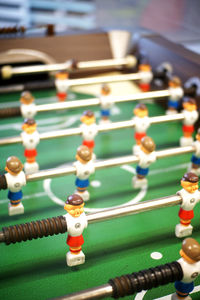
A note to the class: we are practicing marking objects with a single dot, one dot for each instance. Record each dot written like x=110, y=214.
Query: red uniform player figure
x=76, y=222
x=106, y=103
x=190, y=196
x=84, y=168
x=89, y=129
x=190, y=264
x=28, y=107
x=62, y=85
x=147, y=76
x=30, y=139
x=13, y=180
x=195, y=160
x=146, y=156
x=142, y=123
x=176, y=93
x=190, y=117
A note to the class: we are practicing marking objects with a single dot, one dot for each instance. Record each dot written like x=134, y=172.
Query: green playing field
x=37, y=269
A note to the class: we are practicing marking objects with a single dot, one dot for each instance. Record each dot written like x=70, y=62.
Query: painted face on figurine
x=29, y=128
x=145, y=67
x=198, y=137
x=88, y=120
x=188, y=106
x=74, y=210
x=141, y=113
x=190, y=187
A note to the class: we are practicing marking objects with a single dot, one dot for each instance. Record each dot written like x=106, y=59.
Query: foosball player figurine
x=13, y=180
x=76, y=223
x=147, y=76
x=30, y=139
x=146, y=156
x=84, y=168
x=89, y=129
x=177, y=93
x=62, y=85
x=142, y=123
x=190, y=196
x=190, y=264
x=190, y=117
x=106, y=103
x=28, y=107
x=195, y=160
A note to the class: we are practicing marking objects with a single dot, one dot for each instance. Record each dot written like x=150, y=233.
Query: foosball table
x=129, y=229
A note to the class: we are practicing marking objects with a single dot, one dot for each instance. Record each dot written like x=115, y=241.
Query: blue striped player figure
x=84, y=168
x=195, y=160
x=147, y=156
x=13, y=180
x=176, y=93
x=190, y=264
x=106, y=103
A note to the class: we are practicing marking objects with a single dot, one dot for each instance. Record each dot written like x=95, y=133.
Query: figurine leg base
x=171, y=112
x=75, y=259
x=31, y=168
x=15, y=210
x=85, y=195
x=186, y=141
x=195, y=171
x=175, y=297
x=182, y=231
x=139, y=183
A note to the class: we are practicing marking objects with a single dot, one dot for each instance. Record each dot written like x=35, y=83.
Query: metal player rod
x=117, y=212
x=101, y=128
x=96, y=101
x=113, y=162
x=129, y=61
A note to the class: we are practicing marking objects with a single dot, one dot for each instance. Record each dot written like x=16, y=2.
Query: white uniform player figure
x=84, y=168
x=30, y=140
x=14, y=180
x=190, y=264
x=28, y=107
x=195, y=160
x=146, y=156
x=176, y=94
x=190, y=117
x=62, y=85
x=106, y=103
x=76, y=222
x=142, y=123
x=190, y=197
x=147, y=76
x=89, y=130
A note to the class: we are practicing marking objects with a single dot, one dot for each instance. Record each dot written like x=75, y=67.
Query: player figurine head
x=147, y=145
x=26, y=98
x=175, y=82
x=105, y=89
x=190, y=182
x=83, y=154
x=62, y=75
x=190, y=250
x=140, y=110
x=13, y=165
x=189, y=104
x=74, y=205
x=88, y=117
x=29, y=126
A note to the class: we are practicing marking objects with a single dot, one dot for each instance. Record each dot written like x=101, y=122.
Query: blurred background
x=178, y=20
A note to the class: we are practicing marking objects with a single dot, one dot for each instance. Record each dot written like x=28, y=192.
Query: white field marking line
x=27, y=197
x=54, y=198
x=140, y=295
x=168, y=297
